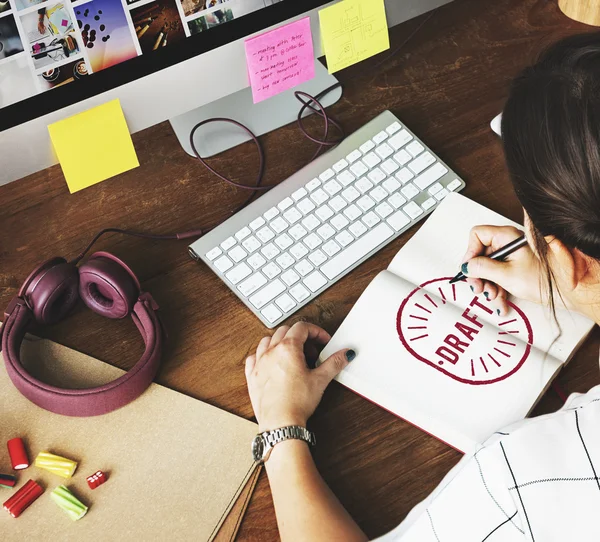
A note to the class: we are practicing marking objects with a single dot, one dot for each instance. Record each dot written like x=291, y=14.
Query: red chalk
x=18, y=454
x=23, y=498
x=96, y=479
x=8, y=480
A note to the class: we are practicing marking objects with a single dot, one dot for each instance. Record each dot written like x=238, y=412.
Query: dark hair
x=551, y=134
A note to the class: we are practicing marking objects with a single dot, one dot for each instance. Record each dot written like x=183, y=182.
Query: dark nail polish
x=350, y=355
x=472, y=289
x=464, y=268
x=487, y=296
x=498, y=311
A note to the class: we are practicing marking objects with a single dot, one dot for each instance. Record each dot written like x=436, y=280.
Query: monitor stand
x=261, y=118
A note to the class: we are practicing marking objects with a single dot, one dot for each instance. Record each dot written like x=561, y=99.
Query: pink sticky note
x=280, y=59
x=65, y=22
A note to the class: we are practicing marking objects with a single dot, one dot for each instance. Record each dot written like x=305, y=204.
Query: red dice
x=96, y=479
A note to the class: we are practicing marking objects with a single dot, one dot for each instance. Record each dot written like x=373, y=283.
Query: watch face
x=258, y=448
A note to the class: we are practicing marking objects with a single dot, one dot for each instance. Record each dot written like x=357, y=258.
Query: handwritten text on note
x=280, y=59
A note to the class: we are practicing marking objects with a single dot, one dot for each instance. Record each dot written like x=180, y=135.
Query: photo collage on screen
x=49, y=43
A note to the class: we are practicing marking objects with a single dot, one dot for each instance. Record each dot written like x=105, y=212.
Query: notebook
x=439, y=356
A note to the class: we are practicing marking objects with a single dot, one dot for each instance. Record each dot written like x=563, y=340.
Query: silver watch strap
x=290, y=432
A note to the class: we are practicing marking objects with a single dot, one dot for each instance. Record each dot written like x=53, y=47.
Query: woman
x=538, y=479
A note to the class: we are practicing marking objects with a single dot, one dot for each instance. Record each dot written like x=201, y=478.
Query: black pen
x=499, y=254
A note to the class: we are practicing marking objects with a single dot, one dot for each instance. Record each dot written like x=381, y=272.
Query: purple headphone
x=110, y=288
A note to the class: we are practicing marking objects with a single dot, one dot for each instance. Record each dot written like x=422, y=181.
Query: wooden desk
x=447, y=83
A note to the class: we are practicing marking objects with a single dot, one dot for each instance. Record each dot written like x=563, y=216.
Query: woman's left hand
x=283, y=390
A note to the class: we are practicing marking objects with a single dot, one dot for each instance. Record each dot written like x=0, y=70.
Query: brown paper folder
x=176, y=466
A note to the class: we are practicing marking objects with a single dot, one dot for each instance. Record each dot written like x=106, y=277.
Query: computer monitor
x=161, y=58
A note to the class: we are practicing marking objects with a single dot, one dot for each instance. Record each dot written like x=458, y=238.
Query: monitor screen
x=82, y=48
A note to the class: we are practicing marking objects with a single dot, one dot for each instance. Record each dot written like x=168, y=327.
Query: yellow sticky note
x=353, y=30
x=93, y=146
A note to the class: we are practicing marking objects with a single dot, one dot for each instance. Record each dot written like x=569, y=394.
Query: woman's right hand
x=518, y=275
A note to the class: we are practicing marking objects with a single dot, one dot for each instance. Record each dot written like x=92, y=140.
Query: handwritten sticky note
x=280, y=59
x=93, y=146
x=353, y=30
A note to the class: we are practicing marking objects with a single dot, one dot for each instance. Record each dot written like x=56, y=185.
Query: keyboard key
x=339, y=222
x=344, y=238
x=237, y=254
x=313, y=185
x=404, y=175
x=390, y=166
x=384, y=151
x=317, y=257
x=271, y=270
x=324, y=212
x=345, y=178
x=441, y=194
x=378, y=194
x=298, y=251
x=357, y=229
x=228, y=243
x=363, y=184
x=265, y=234
x=410, y=191
x=312, y=241
x=238, y=273
x=285, y=303
x=267, y=294
x=453, y=185
x=285, y=260
x=223, y=264
x=376, y=176
x=339, y=166
x=278, y=225
x=354, y=156
x=351, y=194
x=384, y=210
x=311, y=222
x=358, y=169
x=315, y=281
x=326, y=231
x=271, y=313
x=290, y=277
x=250, y=285
x=326, y=175
x=402, y=157
x=319, y=196
x=415, y=148
x=305, y=206
x=358, y=250
x=393, y=128
x=365, y=203
x=331, y=247
x=380, y=137
x=337, y=203
x=257, y=223
x=412, y=210
x=270, y=251
x=212, y=254
x=396, y=200
x=300, y=293
x=243, y=233
x=391, y=185
x=399, y=140
x=371, y=160
x=299, y=194
x=422, y=162
x=251, y=244
x=332, y=187
x=398, y=220
x=256, y=261
x=370, y=219
x=292, y=215
x=434, y=189
x=284, y=241
x=367, y=146
x=297, y=232
x=304, y=267
x=433, y=174
x=352, y=212
x=271, y=213
x=428, y=204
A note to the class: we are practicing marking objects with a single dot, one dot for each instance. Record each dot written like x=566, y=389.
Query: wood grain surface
x=446, y=84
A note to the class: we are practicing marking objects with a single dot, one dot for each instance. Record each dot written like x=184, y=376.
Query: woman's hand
x=283, y=390
x=518, y=275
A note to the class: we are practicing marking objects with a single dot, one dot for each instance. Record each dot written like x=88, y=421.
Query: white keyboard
x=301, y=237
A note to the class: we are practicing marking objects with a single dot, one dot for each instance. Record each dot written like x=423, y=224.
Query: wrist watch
x=264, y=442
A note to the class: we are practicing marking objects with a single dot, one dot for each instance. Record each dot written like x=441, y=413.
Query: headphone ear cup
x=107, y=287
x=52, y=291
